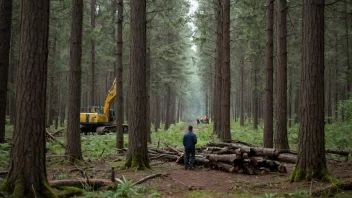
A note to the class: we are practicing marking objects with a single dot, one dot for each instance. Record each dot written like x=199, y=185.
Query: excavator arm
x=110, y=99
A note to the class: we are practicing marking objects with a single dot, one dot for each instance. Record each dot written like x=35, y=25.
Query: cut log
x=81, y=183
x=222, y=158
x=225, y=150
x=161, y=151
x=214, y=148
x=175, y=150
x=282, y=169
x=225, y=167
x=257, y=161
x=288, y=158
x=339, y=152
x=164, y=157
x=180, y=158
x=202, y=161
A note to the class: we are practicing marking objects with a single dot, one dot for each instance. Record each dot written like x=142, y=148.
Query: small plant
x=298, y=194
x=125, y=188
x=270, y=195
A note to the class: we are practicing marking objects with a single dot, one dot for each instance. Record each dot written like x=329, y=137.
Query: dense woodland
x=266, y=65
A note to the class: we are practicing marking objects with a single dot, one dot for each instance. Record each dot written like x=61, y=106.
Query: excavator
x=101, y=119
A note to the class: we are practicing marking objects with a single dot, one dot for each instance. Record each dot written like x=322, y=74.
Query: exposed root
x=307, y=175
x=137, y=162
x=333, y=189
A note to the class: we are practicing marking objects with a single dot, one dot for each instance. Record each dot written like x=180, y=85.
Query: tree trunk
x=218, y=77
x=311, y=162
x=12, y=80
x=167, y=106
x=336, y=78
x=51, y=90
x=297, y=103
x=255, y=90
x=178, y=111
x=281, y=140
x=92, y=55
x=119, y=76
x=73, y=138
x=172, y=111
x=226, y=79
x=157, y=113
x=55, y=92
x=206, y=101
x=268, y=118
x=242, y=90
x=349, y=68
x=5, y=38
x=329, y=95
x=27, y=173
x=290, y=103
x=127, y=109
x=137, y=156
x=147, y=118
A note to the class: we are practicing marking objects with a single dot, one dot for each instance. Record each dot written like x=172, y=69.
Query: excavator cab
x=96, y=109
x=111, y=115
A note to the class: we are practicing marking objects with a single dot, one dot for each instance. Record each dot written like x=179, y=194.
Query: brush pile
x=231, y=157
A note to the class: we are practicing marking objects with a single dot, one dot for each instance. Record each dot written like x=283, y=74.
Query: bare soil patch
x=213, y=183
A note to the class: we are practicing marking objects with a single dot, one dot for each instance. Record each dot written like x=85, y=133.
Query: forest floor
x=201, y=182
x=204, y=182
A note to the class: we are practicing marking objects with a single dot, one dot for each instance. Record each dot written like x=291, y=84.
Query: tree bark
x=329, y=95
x=167, y=108
x=349, y=68
x=119, y=76
x=157, y=113
x=5, y=38
x=12, y=80
x=281, y=140
x=268, y=118
x=290, y=104
x=226, y=79
x=311, y=161
x=92, y=54
x=336, y=78
x=73, y=138
x=137, y=156
x=27, y=162
x=241, y=91
x=218, y=77
x=255, y=89
x=147, y=118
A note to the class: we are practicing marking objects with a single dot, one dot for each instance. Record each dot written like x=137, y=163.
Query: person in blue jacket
x=189, y=142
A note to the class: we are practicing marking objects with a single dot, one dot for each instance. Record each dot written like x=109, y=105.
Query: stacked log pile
x=230, y=157
x=236, y=157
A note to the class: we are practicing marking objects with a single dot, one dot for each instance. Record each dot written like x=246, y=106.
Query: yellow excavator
x=101, y=119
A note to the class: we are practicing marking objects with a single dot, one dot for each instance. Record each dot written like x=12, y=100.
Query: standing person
x=198, y=120
x=189, y=142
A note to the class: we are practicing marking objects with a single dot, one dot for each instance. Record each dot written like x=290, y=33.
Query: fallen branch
x=147, y=178
x=57, y=132
x=53, y=138
x=81, y=183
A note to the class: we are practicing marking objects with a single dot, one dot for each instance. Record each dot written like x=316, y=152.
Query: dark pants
x=189, y=158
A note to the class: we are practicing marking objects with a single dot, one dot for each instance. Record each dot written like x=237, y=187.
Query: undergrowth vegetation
x=101, y=149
